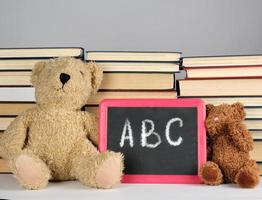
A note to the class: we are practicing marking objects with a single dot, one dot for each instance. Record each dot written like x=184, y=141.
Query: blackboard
x=162, y=140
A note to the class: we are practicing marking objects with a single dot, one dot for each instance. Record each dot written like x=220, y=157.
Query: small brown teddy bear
x=54, y=140
x=229, y=147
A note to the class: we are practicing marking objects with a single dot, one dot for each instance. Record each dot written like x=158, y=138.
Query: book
x=253, y=124
x=246, y=101
x=260, y=168
x=133, y=56
x=92, y=109
x=222, y=61
x=221, y=87
x=28, y=64
x=111, y=81
x=18, y=64
x=256, y=135
x=137, y=81
x=143, y=67
x=253, y=105
x=227, y=72
x=4, y=168
x=16, y=96
x=14, y=108
x=13, y=53
x=253, y=112
x=5, y=121
x=15, y=78
x=256, y=154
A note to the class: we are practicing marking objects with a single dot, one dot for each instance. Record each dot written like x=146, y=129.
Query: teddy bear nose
x=64, y=78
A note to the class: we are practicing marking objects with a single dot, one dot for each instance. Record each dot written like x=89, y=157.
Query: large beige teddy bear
x=55, y=139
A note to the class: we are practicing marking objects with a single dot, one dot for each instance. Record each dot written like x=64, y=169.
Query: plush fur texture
x=229, y=144
x=55, y=139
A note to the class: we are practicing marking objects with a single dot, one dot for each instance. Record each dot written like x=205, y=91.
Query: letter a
x=127, y=134
x=146, y=133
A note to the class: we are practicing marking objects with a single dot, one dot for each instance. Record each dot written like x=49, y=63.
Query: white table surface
x=9, y=189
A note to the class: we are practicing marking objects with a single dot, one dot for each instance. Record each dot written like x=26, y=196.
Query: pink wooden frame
x=154, y=178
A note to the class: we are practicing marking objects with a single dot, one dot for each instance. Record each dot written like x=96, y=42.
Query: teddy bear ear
x=239, y=111
x=97, y=76
x=209, y=107
x=39, y=66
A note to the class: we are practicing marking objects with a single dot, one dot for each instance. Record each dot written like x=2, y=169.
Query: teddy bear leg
x=102, y=170
x=211, y=174
x=248, y=176
x=30, y=171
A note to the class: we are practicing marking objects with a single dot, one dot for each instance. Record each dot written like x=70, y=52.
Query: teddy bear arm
x=241, y=137
x=91, y=126
x=12, y=141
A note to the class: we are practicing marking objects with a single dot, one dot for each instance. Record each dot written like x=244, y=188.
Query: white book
x=23, y=94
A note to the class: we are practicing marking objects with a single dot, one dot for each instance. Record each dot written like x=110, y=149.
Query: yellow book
x=40, y=52
x=28, y=64
x=221, y=87
x=256, y=135
x=132, y=56
x=111, y=81
x=16, y=107
x=139, y=67
x=256, y=154
x=222, y=61
x=4, y=168
x=253, y=124
x=246, y=101
x=260, y=168
x=228, y=72
x=18, y=64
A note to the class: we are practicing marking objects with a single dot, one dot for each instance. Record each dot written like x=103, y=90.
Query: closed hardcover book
x=226, y=72
x=253, y=124
x=247, y=101
x=111, y=81
x=163, y=67
x=135, y=56
x=256, y=154
x=221, y=87
x=21, y=95
x=222, y=61
x=45, y=52
x=257, y=135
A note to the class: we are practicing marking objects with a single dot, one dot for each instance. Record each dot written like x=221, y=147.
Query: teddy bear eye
x=82, y=73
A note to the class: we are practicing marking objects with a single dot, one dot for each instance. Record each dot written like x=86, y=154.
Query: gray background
x=195, y=27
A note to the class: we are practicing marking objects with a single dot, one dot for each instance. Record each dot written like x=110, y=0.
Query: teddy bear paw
x=247, y=178
x=30, y=173
x=110, y=172
x=211, y=174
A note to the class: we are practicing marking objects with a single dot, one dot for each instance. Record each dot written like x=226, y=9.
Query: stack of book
x=228, y=79
x=16, y=92
x=126, y=75
x=136, y=74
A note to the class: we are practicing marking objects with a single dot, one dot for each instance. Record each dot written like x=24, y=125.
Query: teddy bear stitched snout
x=64, y=78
